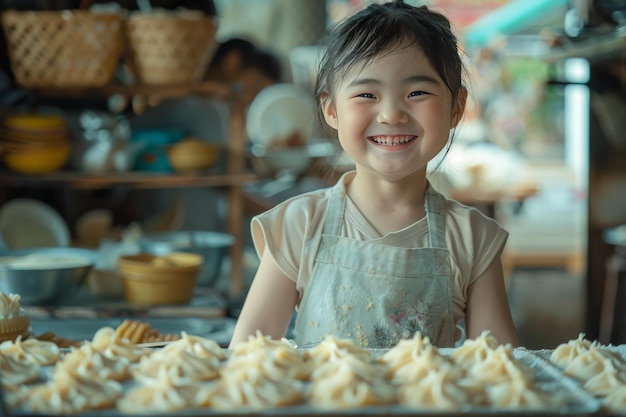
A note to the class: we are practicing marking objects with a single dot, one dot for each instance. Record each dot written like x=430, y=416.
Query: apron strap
x=335, y=209
x=434, y=217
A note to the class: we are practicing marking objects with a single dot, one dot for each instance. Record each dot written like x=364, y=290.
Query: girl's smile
x=398, y=142
x=392, y=115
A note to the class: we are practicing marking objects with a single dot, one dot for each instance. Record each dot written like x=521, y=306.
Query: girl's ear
x=328, y=109
x=459, y=107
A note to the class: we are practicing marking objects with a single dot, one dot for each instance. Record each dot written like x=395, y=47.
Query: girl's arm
x=487, y=307
x=269, y=304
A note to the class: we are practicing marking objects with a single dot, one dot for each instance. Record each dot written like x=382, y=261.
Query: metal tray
x=548, y=377
x=219, y=329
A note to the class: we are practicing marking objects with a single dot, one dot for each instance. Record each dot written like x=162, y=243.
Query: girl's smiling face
x=394, y=114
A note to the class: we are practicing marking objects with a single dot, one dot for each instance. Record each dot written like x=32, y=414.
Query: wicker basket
x=169, y=49
x=63, y=49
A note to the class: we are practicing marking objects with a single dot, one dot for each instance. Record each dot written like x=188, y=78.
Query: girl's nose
x=392, y=112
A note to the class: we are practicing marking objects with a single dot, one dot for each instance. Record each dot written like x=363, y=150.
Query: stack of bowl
x=34, y=143
x=152, y=279
x=193, y=155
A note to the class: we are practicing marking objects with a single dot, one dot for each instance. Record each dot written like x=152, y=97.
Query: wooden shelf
x=209, y=88
x=233, y=180
x=142, y=180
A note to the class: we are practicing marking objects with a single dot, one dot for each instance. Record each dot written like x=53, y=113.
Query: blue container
x=153, y=156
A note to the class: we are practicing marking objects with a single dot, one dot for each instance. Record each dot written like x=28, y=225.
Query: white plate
x=278, y=110
x=27, y=223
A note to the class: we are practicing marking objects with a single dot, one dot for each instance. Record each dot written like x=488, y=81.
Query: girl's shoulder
x=466, y=215
x=308, y=205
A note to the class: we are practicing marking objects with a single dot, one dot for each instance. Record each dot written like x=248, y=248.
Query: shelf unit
x=232, y=181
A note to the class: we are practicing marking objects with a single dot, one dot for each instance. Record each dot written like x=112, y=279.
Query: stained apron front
x=376, y=294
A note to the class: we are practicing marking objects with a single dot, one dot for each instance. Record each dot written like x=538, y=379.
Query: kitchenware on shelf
x=193, y=155
x=280, y=110
x=66, y=48
x=153, y=154
x=36, y=159
x=152, y=279
x=93, y=226
x=104, y=144
x=170, y=47
x=27, y=223
x=212, y=246
x=44, y=276
x=34, y=142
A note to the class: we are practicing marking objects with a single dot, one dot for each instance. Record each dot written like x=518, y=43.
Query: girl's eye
x=417, y=93
x=366, y=95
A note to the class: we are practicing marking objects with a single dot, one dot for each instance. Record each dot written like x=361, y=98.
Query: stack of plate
x=34, y=143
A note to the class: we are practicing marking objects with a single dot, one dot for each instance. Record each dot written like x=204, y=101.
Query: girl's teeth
x=392, y=141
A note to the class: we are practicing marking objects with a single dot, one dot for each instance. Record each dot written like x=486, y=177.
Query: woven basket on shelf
x=170, y=49
x=63, y=49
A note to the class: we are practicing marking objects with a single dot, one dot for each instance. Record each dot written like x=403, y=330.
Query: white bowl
x=280, y=110
x=27, y=223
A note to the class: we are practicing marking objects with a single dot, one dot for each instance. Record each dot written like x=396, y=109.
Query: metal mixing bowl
x=43, y=276
x=212, y=246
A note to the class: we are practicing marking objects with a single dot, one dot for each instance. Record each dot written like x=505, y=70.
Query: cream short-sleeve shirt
x=291, y=232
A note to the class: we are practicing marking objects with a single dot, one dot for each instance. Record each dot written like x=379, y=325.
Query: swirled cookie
x=198, y=346
x=332, y=348
x=14, y=395
x=410, y=368
x=350, y=383
x=475, y=350
x=15, y=372
x=68, y=392
x=276, y=358
x=108, y=342
x=600, y=370
x=615, y=402
x=246, y=383
x=411, y=359
x=438, y=388
x=13, y=319
x=180, y=366
x=521, y=394
x=565, y=353
x=88, y=361
x=499, y=366
x=158, y=395
x=32, y=350
x=508, y=382
x=258, y=342
x=609, y=378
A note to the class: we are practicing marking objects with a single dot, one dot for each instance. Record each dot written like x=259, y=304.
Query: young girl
x=381, y=254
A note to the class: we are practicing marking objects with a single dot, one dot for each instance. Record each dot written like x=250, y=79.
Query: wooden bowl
x=192, y=155
x=37, y=159
x=150, y=279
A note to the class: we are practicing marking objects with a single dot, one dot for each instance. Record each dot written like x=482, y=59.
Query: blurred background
x=542, y=147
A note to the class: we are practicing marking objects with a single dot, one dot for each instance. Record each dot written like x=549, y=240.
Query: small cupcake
x=13, y=319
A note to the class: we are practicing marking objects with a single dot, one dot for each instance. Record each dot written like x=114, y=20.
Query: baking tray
x=219, y=329
x=548, y=377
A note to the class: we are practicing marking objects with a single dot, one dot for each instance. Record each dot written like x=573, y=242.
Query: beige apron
x=376, y=294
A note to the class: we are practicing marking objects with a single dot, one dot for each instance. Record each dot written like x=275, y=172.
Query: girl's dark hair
x=379, y=27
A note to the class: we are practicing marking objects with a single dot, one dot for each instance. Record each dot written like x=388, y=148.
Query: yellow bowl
x=35, y=122
x=192, y=155
x=37, y=160
x=152, y=280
